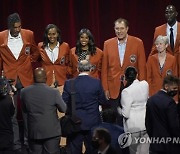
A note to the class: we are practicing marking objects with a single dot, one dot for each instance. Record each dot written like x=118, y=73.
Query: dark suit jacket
x=89, y=94
x=20, y=67
x=40, y=103
x=6, y=114
x=110, y=150
x=162, y=119
x=115, y=131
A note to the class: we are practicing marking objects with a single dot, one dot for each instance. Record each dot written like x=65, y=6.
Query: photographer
x=6, y=114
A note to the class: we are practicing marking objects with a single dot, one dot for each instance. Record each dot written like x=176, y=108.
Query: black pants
x=17, y=141
x=45, y=146
x=113, y=104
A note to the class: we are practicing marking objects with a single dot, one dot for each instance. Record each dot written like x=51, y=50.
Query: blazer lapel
x=177, y=43
x=126, y=54
x=164, y=33
x=24, y=44
x=166, y=66
x=23, y=36
x=164, y=30
x=157, y=64
x=115, y=51
x=59, y=54
x=8, y=50
x=43, y=51
x=6, y=37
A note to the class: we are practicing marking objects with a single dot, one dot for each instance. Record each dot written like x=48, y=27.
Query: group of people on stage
x=110, y=77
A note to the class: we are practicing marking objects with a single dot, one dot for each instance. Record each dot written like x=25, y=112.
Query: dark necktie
x=171, y=39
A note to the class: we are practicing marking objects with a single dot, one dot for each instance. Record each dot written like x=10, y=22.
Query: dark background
x=97, y=15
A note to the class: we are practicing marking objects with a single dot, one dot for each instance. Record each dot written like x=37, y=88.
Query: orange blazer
x=161, y=30
x=60, y=66
x=154, y=76
x=95, y=60
x=111, y=67
x=21, y=67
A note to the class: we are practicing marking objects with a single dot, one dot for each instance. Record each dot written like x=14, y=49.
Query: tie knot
x=171, y=29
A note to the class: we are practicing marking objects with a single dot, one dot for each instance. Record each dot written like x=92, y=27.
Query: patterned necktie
x=171, y=39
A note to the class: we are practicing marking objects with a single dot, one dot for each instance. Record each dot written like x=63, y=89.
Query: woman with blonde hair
x=160, y=65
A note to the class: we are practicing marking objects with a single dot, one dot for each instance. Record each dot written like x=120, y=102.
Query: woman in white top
x=133, y=100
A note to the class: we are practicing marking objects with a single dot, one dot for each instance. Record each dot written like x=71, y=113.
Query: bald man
x=40, y=104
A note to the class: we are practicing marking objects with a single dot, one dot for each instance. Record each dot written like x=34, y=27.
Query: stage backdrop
x=97, y=15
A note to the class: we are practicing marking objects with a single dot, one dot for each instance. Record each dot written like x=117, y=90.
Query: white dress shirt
x=122, y=49
x=15, y=44
x=174, y=31
x=52, y=54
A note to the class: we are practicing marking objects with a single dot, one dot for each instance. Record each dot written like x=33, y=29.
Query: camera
x=6, y=85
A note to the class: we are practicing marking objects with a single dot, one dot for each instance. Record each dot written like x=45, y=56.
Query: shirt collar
x=174, y=26
x=57, y=46
x=11, y=37
x=125, y=41
x=83, y=73
x=164, y=90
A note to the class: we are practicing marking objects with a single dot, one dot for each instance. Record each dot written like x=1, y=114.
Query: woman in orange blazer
x=54, y=56
x=86, y=49
x=160, y=65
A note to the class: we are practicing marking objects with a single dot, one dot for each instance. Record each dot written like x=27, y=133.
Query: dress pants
x=17, y=142
x=44, y=146
x=74, y=143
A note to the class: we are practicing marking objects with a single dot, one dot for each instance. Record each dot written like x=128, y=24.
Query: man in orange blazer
x=170, y=15
x=17, y=51
x=119, y=53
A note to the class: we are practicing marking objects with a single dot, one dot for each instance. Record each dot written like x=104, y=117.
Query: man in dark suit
x=6, y=114
x=109, y=117
x=40, y=104
x=89, y=94
x=101, y=141
x=162, y=118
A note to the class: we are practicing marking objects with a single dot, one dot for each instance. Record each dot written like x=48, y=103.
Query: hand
x=107, y=94
x=119, y=110
x=60, y=88
x=11, y=93
x=52, y=85
x=14, y=89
